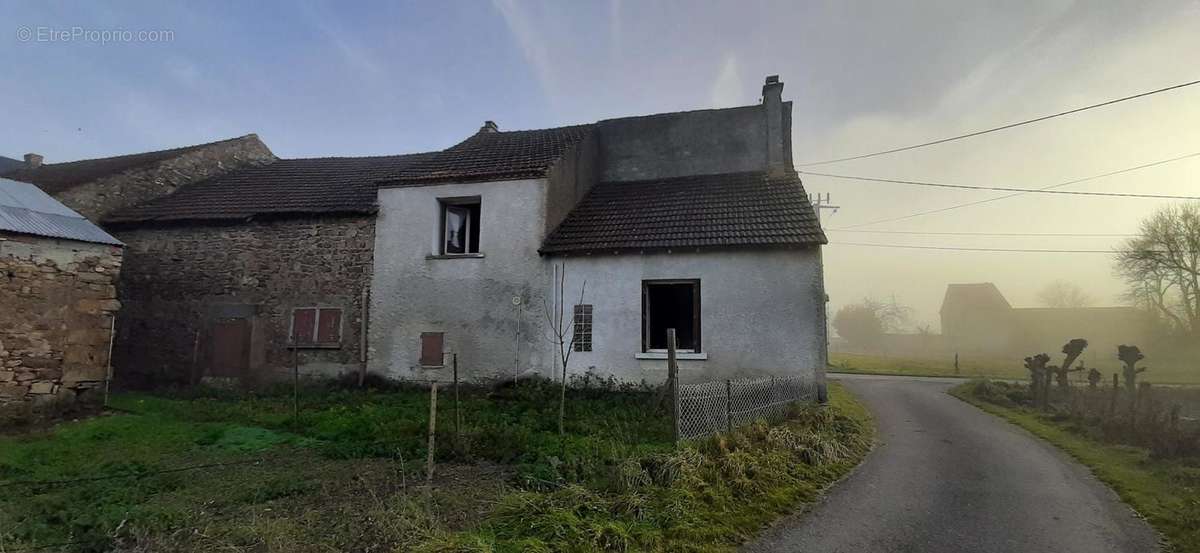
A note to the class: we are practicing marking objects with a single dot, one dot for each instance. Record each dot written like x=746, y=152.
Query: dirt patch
x=24, y=419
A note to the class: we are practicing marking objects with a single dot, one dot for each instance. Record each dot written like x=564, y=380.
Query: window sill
x=455, y=256
x=432, y=367
x=681, y=356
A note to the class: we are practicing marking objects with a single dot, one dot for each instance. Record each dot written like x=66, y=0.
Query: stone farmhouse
x=58, y=276
x=402, y=264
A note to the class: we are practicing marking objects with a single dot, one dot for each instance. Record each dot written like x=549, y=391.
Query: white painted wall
x=762, y=312
x=469, y=299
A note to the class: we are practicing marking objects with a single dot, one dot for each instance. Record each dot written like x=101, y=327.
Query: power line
x=953, y=248
x=1006, y=196
x=1004, y=188
x=1043, y=234
x=1000, y=128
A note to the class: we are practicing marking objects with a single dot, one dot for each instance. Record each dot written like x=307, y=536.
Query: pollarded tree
x=1129, y=356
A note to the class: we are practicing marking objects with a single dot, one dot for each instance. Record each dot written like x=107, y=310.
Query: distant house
x=695, y=221
x=977, y=317
x=96, y=187
x=58, y=276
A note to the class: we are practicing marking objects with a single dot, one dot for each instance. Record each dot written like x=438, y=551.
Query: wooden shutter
x=329, y=326
x=431, y=349
x=304, y=325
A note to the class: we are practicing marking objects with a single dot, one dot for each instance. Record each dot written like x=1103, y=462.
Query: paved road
x=946, y=477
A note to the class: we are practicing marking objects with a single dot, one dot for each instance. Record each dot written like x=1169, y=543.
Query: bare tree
x=892, y=314
x=1162, y=266
x=562, y=331
x=1062, y=293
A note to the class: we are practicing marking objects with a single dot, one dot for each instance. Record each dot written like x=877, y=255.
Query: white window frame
x=445, y=205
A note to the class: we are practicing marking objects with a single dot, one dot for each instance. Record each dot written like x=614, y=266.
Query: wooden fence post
x=673, y=380
x=108, y=370
x=432, y=431
x=457, y=416
x=1112, y=402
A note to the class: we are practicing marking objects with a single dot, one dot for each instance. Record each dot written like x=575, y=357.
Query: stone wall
x=57, y=300
x=180, y=280
x=98, y=198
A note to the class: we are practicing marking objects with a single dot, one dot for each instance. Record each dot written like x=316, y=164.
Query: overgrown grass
x=708, y=496
x=1165, y=492
x=346, y=475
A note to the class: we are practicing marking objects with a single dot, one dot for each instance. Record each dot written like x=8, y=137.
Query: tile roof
x=58, y=177
x=494, y=156
x=314, y=185
x=26, y=209
x=702, y=211
x=974, y=296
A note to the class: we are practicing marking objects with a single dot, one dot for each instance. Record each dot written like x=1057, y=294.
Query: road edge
x=957, y=392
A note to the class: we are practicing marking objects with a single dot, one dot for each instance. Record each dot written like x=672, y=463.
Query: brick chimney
x=772, y=100
x=33, y=161
x=489, y=126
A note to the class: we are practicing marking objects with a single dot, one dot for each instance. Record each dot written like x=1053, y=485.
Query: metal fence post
x=728, y=405
x=673, y=380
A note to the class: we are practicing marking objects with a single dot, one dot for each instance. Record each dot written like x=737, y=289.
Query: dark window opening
x=671, y=304
x=582, y=336
x=460, y=226
x=431, y=349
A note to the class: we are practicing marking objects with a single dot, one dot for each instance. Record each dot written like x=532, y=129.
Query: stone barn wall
x=57, y=300
x=181, y=280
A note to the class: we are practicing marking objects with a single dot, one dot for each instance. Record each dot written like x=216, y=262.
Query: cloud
x=728, y=88
x=533, y=45
x=184, y=72
x=615, y=30
x=357, y=55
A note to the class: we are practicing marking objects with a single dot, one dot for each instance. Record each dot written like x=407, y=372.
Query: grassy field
x=1175, y=370
x=1165, y=492
x=230, y=472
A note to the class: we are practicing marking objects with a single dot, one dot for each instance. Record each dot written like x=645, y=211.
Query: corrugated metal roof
x=25, y=209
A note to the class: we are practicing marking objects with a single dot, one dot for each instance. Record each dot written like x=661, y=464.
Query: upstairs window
x=460, y=226
x=582, y=328
x=316, y=326
x=671, y=304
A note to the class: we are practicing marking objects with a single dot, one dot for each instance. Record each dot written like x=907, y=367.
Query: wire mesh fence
x=720, y=406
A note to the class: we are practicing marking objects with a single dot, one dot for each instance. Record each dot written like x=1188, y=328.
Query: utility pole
x=821, y=203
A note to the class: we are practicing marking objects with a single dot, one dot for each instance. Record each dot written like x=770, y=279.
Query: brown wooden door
x=230, y=348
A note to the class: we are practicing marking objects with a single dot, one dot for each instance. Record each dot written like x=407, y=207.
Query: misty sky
x=320, y=79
